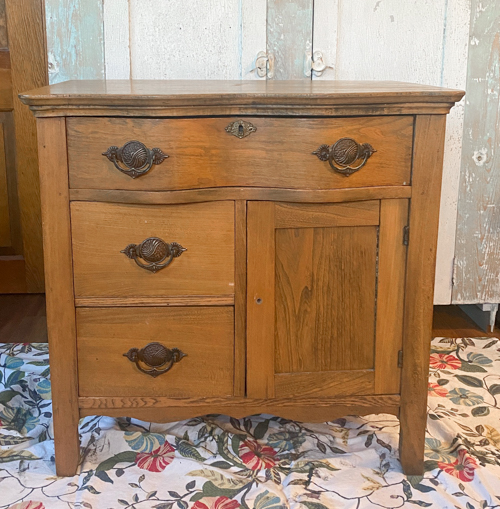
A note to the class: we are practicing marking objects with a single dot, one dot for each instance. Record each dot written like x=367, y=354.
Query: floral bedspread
x=263, y=462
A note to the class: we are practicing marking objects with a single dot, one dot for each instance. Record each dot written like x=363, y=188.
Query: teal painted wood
x=289, y=36
x=477, y=249
x=75, y=39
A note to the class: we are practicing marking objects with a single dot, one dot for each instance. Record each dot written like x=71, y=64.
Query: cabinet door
x=325, y=298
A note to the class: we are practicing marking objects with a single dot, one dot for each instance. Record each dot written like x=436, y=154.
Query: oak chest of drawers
x=240, y=247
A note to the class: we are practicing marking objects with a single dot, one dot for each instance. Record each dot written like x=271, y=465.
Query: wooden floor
x=22, y=320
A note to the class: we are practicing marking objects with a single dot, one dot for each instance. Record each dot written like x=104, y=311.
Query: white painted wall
x=199, y=39
x=419, y=41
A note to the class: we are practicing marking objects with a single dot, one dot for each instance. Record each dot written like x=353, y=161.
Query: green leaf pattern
x=263, y=461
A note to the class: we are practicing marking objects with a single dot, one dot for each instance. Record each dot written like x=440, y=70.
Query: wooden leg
x=61, y=320
x=412, y=439
x=419, y=292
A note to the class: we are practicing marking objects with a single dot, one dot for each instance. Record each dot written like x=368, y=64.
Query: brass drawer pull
x=158, y=358
x=343, y=153
x=155, y=251
x=136, y=158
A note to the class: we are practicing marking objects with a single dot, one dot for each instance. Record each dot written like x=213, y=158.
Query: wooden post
x=59, y=289
x=424, y=221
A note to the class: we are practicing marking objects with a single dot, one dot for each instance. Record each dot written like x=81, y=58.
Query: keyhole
x=258, y=301
x=240, y=130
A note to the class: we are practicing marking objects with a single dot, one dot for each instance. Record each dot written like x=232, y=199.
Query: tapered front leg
x=419, y=291
x=59, y=290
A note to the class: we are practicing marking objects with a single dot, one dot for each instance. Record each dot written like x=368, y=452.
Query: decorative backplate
x=155, y=251
x=157, y=357
x=343, y=153
x=134, y=158
x=240, y=128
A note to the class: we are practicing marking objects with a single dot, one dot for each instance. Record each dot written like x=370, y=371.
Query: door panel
x=324, y=292
x=325, y=296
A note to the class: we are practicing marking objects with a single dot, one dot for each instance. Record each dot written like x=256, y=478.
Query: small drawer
x=122, y=153
x=171, y=352
x=122, y=250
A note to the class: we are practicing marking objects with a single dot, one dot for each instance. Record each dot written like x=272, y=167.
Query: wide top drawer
x=294, y=153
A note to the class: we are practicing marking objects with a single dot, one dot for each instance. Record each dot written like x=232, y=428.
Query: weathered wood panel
x=116, y=39
x=395, y=47
x=199, y=39
x=75, y=39
x=289, y=36
x=477, y=277
x=453, y=75
x=253, y=35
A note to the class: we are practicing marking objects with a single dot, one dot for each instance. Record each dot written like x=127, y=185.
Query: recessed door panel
x=320, y=319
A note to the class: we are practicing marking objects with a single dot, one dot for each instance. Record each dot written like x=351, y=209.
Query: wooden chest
x=240, y=247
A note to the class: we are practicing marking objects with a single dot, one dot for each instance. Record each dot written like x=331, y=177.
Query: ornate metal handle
x=158, y=358
x=136, y=158
x=343, y=153
x=155, y=251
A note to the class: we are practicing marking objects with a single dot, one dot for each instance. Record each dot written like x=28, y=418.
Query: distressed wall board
x=289, y=36
x=394, y=46
x=453, y=75
x=253, y=35
x=116, y=23
x=199, y=39
x=477, y=270
x=75, y=39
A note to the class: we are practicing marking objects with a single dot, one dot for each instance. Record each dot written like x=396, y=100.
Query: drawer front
x=202, y=154
x=122, y=250
x=204, y=335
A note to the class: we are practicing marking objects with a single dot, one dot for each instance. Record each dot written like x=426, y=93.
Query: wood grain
x=325, y=299
x=240, y=297
x=12, y=274
x=419, y=287
x=29, y=70
x=264, y=95
x=390, y=295
x=302, y=408
x=299, y=215
x=59, y=290
x=477, y=247
x=181, y=300
x=5, y=233
x=241, y=193
x=23, y=318
x=260, y=299
x=6, y=98
x=324, y=384
x=230, y=161
x=101, y=231
x=205, y=334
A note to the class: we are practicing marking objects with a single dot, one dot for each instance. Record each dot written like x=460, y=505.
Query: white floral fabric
x=260, y=462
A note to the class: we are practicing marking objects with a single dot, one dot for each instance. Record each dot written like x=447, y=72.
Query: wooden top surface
x=175, y=93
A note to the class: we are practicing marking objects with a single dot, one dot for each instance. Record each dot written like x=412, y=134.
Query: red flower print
x=437, y=390
x=29, y=504
x=256, y=456
x=157, y=460
x=444, y=361
x=463, y=467
x=216, y=503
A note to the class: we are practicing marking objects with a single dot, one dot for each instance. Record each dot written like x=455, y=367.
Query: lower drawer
x=204, y=334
